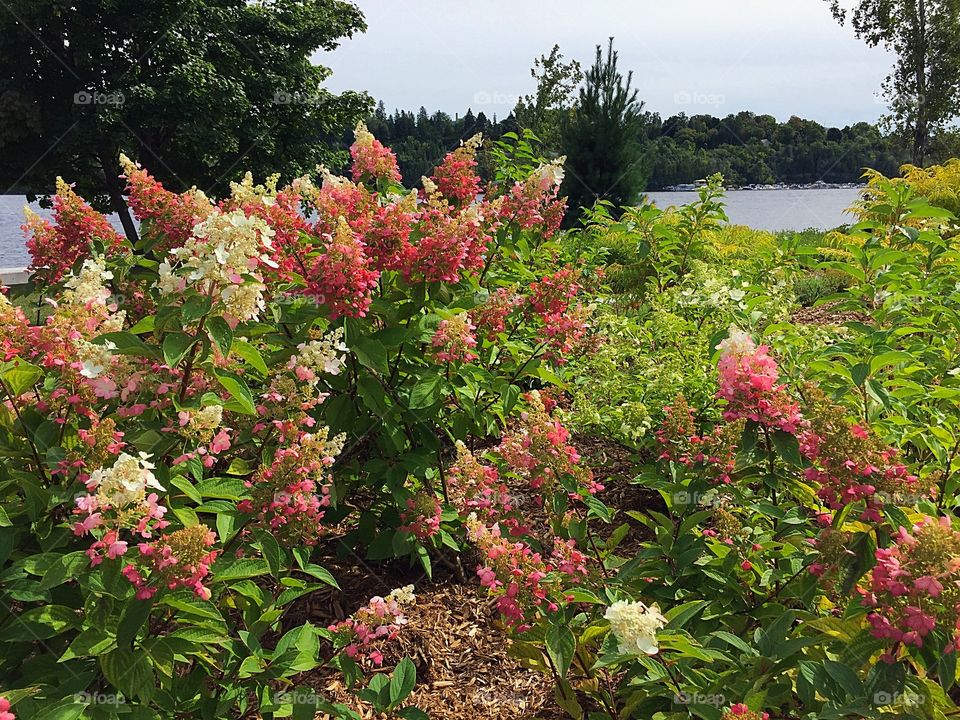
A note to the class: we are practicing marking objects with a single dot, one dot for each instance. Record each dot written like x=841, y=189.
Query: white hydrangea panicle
x=89, y=285
x=126, y=483
x=96, y=359
x=551, y=174
x=635, y=626
x=327, y=355
x=737, y=342
x=403, y=595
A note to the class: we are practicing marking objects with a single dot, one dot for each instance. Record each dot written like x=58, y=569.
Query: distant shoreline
x=819, y=185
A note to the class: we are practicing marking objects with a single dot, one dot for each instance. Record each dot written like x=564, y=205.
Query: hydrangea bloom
x=380, y=620
x=739, y=711
x=421, y=515
x=635, y=626
x=476, y=489
x=455, y=178
x=371, y=158
x=166, y=218
x=55, y=247
x=748, y=382
x=454, y=340
x=5, y=713
x=284, y=494
x=914, y=588
x=849, y=463
x=715, y=452
x=179, y=559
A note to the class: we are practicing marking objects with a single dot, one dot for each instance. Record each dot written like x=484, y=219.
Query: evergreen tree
x=603, y=139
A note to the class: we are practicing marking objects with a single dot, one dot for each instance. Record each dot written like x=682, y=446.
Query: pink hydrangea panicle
x=5, y=713
x=456, y=178
x=371, y=159
x=454, y=340
x=748, y=382
x=365, y=634
x=421, y=515
x=914, y=588
x=739, y=711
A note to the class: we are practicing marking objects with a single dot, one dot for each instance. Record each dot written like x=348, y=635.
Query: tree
x=603, y=139
x=196, y=90
x=543, y=112
x=923, y=89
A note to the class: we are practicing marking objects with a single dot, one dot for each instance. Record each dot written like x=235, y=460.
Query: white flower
x=550, y=175
x=126, y=482
x=635, y=626
x=89, y=285
x=95, y=358
x=737, y=343
x=326, y=355
x=403, y=596
x=737, y=295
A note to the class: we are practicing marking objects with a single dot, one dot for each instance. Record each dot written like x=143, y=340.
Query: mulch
x=827, y=314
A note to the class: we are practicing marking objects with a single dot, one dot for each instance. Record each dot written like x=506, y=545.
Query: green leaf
x=135, y=614
x=130, y=672
x=788, y=448
x=242, y=397
x=126, y=343
x=561, y=644
x=175, y=347
x=271, y=551
x=220, y=333
x=371, y=353
x=250, y=355
x=21, y=376
x=402, y=681
x=426, y=392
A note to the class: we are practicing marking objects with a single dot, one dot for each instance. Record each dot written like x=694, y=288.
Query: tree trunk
x=115, y=191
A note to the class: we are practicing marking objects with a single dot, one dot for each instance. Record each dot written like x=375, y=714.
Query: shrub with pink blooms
x=196, y=420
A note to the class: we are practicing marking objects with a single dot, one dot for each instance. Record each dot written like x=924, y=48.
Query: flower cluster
x=339, y=276
x=55, y=247
x=915, y=586
x=454, y=340
x=635, y=626
x=748, y=382
x=325, y=354
x=715, y=452
x=490, y=318
x=518, y=576
x=284, y=494
x=739, y=711
x=421, y=515
x=476, y=489
x=5, y=713
x=117, y=499
x=552, y=299
x=850, y=463
x=371, y=158
x=180, y=559
x=221, y=260
x=456, y=178
x=538, y=450
x=166, y=218
x=380, y=620
x=534, y=202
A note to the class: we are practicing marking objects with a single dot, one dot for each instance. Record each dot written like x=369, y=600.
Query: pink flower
x=5, y=713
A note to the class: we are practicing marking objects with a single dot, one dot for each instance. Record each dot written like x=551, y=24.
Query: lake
x=762, y=209
x=778, y=209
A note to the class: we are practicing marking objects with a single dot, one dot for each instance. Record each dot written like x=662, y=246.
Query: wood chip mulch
x=827, y=314
x=463, y=667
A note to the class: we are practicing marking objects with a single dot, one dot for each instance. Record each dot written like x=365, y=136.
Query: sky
x=780, y=57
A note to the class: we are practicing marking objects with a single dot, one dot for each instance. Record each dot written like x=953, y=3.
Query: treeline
x=755, y=149
x=745, y=147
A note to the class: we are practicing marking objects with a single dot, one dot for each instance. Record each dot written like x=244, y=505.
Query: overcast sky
x=782, y=57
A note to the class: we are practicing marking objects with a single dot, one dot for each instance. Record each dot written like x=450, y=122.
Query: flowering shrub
x=196, y=412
